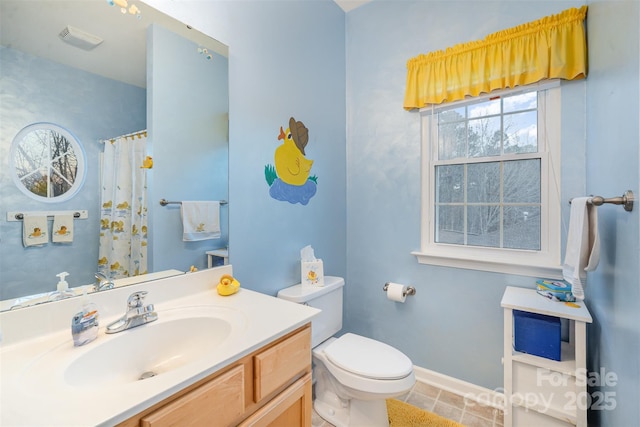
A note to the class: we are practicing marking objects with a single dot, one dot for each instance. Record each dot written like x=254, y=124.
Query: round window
x=47, y=162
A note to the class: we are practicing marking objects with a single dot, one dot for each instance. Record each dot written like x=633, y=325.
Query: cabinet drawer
x=292, y=407
x=220, y=401
x=277, y=365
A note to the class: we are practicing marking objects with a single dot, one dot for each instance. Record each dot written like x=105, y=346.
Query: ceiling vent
x=79, y=38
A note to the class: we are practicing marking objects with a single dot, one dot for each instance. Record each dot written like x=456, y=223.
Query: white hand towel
x=34, y=230
x=200, y=220
x=62, y=229
x=583, y=245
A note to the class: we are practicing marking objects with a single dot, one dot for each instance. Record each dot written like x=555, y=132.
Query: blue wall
x=286, y=59
x=613, y=110
x=92, y=108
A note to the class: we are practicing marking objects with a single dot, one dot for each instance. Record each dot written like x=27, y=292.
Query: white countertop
x=46, y=399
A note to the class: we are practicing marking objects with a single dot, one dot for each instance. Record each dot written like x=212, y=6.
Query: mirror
x=149, y=73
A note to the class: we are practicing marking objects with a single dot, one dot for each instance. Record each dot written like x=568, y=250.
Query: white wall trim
x=470, y=392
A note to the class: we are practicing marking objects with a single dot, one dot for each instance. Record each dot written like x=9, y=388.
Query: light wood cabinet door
x=291, y=408
x=277, y=365
x=220, y=402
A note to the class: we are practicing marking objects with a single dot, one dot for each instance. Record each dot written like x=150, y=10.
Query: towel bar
x=19, y=216
x=165, y=202
x=626, y=200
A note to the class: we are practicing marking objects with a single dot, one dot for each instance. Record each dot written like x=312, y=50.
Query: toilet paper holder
x=410, y=290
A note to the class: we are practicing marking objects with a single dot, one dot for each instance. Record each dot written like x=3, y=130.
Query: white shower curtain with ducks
x=123, y=221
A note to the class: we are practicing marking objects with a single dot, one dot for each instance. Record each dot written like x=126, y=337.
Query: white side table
x=540, y=391
x=220, y=253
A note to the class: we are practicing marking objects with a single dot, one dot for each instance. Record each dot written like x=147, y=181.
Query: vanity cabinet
x=269, y=387
x=540, y=391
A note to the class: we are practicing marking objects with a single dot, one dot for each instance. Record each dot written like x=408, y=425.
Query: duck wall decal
x=289, y=180
x=292, y=166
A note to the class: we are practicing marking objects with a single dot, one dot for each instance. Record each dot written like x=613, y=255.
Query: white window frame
x=78, y=151
x=542, y=263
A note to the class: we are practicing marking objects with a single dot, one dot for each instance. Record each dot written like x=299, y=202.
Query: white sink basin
x=177, y=339
x=150, y=349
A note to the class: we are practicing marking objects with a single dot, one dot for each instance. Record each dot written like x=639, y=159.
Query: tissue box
x=537, y=334
x=312, y=273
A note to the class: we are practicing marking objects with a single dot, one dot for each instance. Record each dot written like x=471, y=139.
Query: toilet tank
x=327, y=298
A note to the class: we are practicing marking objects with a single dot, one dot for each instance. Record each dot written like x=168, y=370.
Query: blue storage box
x=537, y=334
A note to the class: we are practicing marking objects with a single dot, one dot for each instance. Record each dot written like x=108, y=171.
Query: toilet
x=353, y=375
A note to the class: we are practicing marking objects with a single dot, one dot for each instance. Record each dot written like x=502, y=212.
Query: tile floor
x=445, y=404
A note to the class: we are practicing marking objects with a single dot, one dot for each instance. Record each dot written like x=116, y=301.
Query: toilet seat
x=368, y=358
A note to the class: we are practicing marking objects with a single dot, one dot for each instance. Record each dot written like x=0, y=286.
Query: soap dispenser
x=63, y=290
x=84, y=324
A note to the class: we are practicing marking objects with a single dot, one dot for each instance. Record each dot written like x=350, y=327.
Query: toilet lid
x=368, y=358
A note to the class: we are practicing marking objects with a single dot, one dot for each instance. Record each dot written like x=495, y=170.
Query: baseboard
x=471, y=392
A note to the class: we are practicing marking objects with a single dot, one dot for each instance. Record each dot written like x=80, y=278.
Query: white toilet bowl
x=354, y=376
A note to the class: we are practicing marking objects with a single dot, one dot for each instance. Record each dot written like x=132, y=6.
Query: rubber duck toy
x=228, y=285
x=292, y=166
x=147, y=163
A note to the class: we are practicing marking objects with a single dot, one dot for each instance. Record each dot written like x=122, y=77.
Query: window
x=491, y=182
x=47, y=162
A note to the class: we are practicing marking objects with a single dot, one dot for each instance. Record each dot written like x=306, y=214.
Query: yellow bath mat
x=405, y=415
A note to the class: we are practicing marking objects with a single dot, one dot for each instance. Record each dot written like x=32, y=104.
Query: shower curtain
x=123, y=207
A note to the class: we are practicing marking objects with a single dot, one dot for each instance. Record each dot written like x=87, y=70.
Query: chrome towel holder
x=19, y=216
x=165, y=202
x=626, y=200
x=410, y=290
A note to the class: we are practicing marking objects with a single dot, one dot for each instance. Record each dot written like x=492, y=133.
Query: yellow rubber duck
x=147, y=163
x=292, y=166
x=228, y=285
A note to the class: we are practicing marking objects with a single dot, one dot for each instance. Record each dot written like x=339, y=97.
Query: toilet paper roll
x=396, y=292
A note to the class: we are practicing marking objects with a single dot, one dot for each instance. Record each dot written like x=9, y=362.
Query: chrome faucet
x=137, y=314
x=102, y=283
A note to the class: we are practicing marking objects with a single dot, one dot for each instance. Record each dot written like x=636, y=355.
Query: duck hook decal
x=289, y=180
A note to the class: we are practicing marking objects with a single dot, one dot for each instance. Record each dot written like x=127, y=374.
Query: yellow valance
x=552, y=47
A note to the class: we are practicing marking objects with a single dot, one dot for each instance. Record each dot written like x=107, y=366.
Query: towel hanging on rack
x=200, y=220
x=35, y=230
x=583, y=245
x=62, y=228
